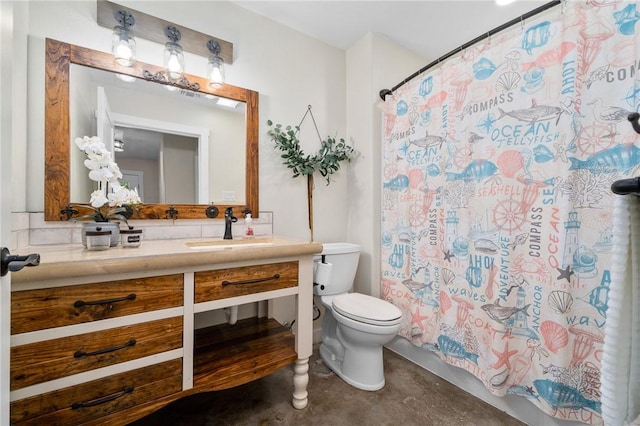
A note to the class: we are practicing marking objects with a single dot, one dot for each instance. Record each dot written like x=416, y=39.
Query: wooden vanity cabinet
x=93, y=354
x=231, y=355
x=113, y=351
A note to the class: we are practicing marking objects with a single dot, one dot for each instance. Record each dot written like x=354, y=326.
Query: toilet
x=355, y=326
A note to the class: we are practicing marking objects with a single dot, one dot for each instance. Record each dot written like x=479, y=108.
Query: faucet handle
x=211, y=211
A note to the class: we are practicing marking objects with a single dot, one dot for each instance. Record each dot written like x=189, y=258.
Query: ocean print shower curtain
x=497, y=208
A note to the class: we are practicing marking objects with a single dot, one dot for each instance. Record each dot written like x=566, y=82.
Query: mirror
x=69, y=109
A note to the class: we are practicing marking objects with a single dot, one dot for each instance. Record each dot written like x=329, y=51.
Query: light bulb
x=173, y=66
x=123, y=47
x=174, y=61
x=215, y=72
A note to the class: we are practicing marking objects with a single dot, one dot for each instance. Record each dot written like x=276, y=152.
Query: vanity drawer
x=52, y=359
x=60, y=306
x=231, y=282
x=92, y=400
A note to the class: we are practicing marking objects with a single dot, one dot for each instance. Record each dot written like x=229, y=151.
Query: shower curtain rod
x=385, y=92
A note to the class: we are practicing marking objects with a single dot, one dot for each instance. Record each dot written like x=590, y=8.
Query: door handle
x=13, y=263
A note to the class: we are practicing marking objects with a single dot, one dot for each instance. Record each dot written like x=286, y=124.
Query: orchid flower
x=105, y=171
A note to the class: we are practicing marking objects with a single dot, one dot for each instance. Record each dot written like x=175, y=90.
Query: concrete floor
x=411, y=396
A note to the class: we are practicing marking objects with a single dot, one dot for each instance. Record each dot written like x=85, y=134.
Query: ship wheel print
x=508, y=215
x=595, y=138
x=417, y=215
x=462, y=157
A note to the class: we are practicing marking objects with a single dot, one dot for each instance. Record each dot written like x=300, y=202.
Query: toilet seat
x=366, y=309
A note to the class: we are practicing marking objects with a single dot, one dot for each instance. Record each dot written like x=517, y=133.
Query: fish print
x=398, y=183
x=427, y=141
x=416, y=286
x=534, y=114
x=476, y=170
x=536, y=36
x=519, y=240
x=524, y=391
x=620, y=158
x=502, y=313
x=550, y=57
x=454, y=349
x=563, y=396
x=426, y=86
x=466, y=110
x=596, y=75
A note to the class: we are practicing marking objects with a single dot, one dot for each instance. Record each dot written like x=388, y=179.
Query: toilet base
x=335, y=362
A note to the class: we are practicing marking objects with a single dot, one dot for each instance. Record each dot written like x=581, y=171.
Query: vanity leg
x=300, y=382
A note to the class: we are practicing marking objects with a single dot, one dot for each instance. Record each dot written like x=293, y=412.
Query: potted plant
x=326, y=160
x=110, y=201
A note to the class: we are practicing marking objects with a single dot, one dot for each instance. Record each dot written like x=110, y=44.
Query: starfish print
x=530, y=390
x=448, y=255
x=565, y=273
x=503, y=357
x=487, y=123
x=416, y=318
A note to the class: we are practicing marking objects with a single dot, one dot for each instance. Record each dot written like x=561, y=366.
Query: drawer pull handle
x=254, y=281
x=81, y=353
x=81, y=303
x=103, y=400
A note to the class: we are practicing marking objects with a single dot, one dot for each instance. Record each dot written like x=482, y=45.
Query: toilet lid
x=367, y=309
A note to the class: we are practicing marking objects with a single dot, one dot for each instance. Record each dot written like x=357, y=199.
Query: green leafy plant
x=326, y=161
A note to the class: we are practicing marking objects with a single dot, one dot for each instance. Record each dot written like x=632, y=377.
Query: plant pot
x=114, y=227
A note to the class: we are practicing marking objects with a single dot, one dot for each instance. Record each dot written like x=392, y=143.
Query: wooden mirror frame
x=58, y=58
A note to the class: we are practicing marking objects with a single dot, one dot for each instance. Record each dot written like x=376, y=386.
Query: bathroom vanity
x=109, y=337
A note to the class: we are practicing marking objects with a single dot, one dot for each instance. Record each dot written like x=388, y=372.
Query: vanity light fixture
x=173, y=56
x=215, y=66
x=123, y=45
x=218, y=51
x=173, y=75
x=504, y=2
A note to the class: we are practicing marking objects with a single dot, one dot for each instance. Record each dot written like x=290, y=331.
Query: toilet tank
x=343, y=258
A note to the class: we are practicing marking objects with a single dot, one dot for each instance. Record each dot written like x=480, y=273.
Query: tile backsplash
x=30, y=229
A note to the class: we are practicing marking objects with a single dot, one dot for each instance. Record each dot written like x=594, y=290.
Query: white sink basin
x=229, y=244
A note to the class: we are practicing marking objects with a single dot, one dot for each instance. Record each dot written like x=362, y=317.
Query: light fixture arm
x=124, y=18
x=214, y=47
x=173, y=33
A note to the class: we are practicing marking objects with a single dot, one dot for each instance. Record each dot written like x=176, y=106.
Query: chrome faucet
x=229, y=218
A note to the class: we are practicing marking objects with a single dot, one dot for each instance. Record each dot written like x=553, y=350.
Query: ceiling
x=430, y=28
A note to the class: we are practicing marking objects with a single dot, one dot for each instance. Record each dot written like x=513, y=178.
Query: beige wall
x=373, y=63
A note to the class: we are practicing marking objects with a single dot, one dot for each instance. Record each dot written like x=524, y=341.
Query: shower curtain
x=496, y=203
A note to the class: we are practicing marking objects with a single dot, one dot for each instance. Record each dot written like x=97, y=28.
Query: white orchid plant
x=108, y=199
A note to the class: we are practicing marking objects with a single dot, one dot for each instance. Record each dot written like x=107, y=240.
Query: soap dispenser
x=248, y=226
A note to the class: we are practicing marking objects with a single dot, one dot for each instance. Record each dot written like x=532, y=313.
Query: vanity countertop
x=74, y=260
